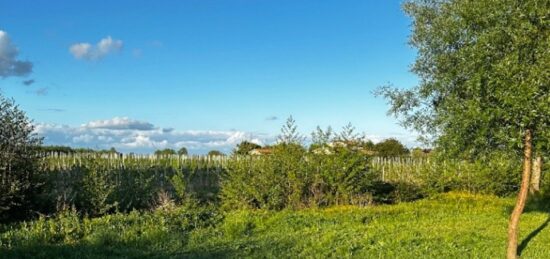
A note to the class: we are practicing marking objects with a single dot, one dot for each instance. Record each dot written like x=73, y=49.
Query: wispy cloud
x=104, y=47
x=52, y=110
x=41, y=91
x=28, y=82
x=10, y=65
x=129, y=136
x=272, y=118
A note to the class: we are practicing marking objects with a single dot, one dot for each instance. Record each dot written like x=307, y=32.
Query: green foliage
x=418, y=153
x=290, y=177
x=155, y=233
x=64, y=150
x=97, y=190
x=484, y=75
x=289, y=133
x=322, y=137
x=245, y=147
x=390, y=148
x=96, y=184
x=179, y=183
x=215, y=153
x=19, y=161
x=452, y=225
x=497, y=174
x=182, y=151
x=165, y=152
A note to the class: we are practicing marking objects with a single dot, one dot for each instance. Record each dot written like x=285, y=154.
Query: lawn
x=453, y=225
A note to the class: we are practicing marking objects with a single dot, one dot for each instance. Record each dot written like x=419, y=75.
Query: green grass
x=447, y=226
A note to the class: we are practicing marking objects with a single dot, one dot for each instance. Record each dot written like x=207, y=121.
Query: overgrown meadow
x=291, y=203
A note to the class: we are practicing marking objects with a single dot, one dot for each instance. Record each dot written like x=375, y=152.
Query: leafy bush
x=292, y=178
x=19, y=162
x=97, y=184
x=135, y=229
x=495, y=174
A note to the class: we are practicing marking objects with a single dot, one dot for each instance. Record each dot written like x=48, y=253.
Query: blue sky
x=204, y=74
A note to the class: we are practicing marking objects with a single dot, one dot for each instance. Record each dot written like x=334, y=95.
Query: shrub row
x=290, y=177
x=98, y=184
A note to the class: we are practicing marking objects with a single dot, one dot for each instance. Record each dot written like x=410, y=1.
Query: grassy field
x=453, y=225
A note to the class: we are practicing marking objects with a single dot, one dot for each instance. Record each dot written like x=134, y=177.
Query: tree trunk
x=513, y=225
x=535, y=177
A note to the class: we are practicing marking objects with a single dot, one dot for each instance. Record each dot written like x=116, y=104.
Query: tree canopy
x=245, y=147
x=215, y=153
x=18, y=159
x=166, y=151
x=484, y=77
x=484, y=81
x=390, y=148
x=182, y=151
x=289, y=133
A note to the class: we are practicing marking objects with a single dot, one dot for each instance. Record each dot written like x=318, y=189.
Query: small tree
x=390, y=148
x=215, y=153
x=182, y=151
x=245, y=147
x=165, y=152
x=349, y=135
x=321, y=137
x=289, y=133
x=18, y=160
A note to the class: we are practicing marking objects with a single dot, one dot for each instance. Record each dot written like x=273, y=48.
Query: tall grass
x=452, y=225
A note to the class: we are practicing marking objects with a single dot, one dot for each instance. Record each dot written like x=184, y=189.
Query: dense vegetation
x=18, y=162
x=484, y=82
x=452, y=225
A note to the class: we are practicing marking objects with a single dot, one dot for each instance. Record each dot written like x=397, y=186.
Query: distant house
x=260, y=151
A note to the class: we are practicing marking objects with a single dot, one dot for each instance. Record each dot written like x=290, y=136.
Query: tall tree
x=484, y=82
x=182, y=151
x=321, y=137
x=19, y=161
x=289, y=133
x=348, y=134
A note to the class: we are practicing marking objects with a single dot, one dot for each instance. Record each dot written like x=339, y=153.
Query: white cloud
x=119, y=123
x=142, y=137
x=9, y=64
x=104, y=47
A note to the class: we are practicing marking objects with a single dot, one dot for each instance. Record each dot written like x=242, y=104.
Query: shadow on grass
x=533, y=234
x=92, y=251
